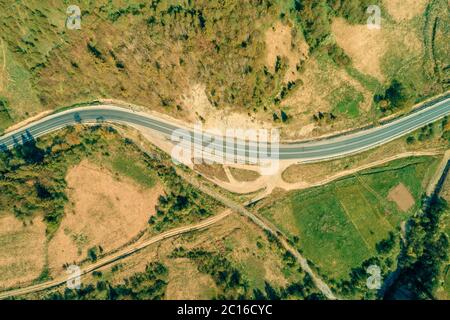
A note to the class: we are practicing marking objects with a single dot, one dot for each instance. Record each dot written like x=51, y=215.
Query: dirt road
x=117, y=256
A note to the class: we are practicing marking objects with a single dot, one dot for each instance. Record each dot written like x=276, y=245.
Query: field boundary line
x=354, y=224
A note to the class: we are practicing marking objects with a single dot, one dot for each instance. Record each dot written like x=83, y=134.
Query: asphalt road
x=324, y=149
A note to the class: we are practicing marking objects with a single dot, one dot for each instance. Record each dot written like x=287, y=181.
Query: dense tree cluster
x=392, y=98
x=426, y=253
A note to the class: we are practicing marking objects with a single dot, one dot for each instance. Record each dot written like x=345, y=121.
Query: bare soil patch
x=102, y=212
x=22, y=250
x=402, y=197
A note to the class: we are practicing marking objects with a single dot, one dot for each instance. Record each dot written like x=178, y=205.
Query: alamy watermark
x=73, y=21
x=374, y=281
x=374, y=19
x=74, y=277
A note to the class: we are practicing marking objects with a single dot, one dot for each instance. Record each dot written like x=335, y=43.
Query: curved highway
x=318, y=150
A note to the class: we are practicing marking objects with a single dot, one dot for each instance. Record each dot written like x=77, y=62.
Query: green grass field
x=134, y=170
x=346, y=101
x=339, y=224
x=5, y=119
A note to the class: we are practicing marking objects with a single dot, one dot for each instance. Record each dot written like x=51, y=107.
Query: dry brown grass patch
x=3, y=74
x=310, y=97
x=405, y=9
x=102, y=212
x=214, y=171
x=316, y=94
x=244, y=175
x=365, y=47
x=186, y=282
x=279, y=42
x=235, y=238
x=22, y=250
